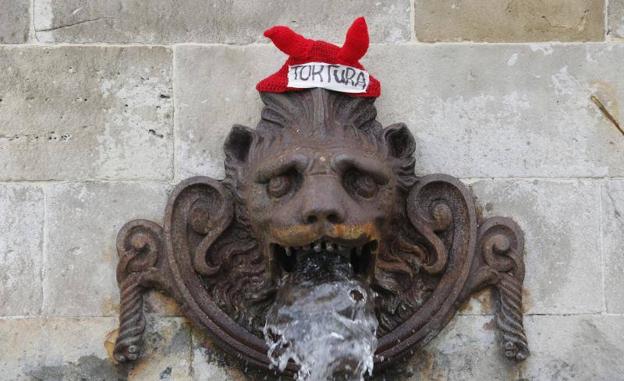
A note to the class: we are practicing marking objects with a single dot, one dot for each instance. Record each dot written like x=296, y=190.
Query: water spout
x=323, y=320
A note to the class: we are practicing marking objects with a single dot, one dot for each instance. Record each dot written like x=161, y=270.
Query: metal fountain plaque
x=320, y=173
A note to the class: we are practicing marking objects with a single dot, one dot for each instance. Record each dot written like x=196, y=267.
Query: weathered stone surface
x=85, y=113
x=77, y=349
x=574, y=348
x=222, y=21
x=616, y=19
x=467, y=349
x=613, y=241
x=167, y=351
x=83, y=221
x=510, y=110
x=56, y=349
x=509, y=20
x=14, y=21
x=216, y=88
x=561, y=222
x=578, y=347
x=21, y=249
x=505, y=110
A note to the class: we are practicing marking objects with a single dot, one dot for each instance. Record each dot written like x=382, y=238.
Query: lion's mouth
x=360, y=256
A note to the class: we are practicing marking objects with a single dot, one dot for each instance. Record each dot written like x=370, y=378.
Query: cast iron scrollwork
x=501, y=249
x=140, y=248
x=320, y=171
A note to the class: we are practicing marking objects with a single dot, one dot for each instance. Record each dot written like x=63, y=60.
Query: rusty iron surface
x=319, y=171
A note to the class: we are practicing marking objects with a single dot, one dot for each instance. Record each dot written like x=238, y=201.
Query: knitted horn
x=356, y=42
x=289, y=42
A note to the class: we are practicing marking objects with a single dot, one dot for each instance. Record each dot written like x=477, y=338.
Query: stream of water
x=323, y=319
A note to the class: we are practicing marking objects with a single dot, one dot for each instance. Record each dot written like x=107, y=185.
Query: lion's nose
x=321, y=201
x=321, y=215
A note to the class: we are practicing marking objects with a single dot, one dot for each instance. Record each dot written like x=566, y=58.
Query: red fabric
x=302, y=50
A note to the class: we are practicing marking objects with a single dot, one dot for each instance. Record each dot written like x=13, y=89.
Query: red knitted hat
x=314, y=63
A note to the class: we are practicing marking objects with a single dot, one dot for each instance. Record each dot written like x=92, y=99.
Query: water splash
x=323, y=319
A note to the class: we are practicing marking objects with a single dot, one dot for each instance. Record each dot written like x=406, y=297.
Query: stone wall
x=106, y=104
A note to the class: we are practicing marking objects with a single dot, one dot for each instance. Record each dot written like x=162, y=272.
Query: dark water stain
x=87, y=368
x=166, y=374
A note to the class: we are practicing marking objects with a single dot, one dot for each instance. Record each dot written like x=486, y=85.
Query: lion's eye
x=360, y=183
x=279, y=185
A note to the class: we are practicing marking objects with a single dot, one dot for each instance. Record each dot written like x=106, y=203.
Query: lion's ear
x=401, y=143
x=238, y=143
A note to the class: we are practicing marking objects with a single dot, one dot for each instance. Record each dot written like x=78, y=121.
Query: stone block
x=509, y=20
x=14, y=21
x=509, y=111
x=216, y=88
x=466, y=349
x=75, y=113
x=615, y=28
x=613, y=242
x=505, y=110
x=21, y=249
x=561, y=223
x=221, y=21
x=83, y=220
x=577, y=347
x=57, y=349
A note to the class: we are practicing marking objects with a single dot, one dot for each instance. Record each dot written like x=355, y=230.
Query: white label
x=341, y=78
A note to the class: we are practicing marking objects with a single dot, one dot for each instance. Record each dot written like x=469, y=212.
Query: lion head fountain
x=320, y=179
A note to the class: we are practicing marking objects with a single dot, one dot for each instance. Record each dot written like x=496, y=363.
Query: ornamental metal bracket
x=320, y=169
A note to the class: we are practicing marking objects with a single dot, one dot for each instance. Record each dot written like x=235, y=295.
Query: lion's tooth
x=318, y=247
x=330, y=247
x=288, y=251
x=341, y=247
